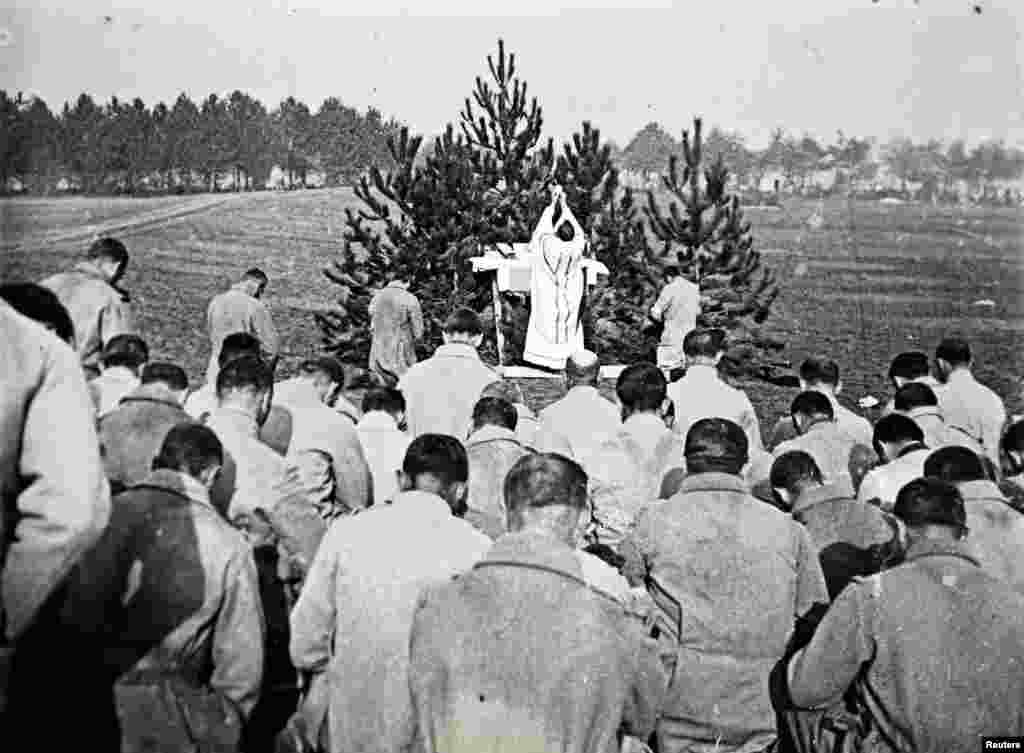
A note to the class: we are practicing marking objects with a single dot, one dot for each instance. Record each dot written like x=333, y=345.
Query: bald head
x=583, y=367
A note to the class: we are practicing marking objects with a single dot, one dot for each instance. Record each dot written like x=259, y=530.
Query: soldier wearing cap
x=933, y=649
x=576, y=425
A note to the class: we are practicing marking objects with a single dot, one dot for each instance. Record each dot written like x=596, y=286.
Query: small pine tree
x=714, y=247
x=426, y=218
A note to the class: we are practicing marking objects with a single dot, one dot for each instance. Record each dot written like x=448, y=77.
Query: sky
x=892, y=68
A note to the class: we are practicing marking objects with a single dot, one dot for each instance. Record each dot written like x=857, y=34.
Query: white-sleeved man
x=900, y=445
x=384, y=442
x=701, y=393
x=965, y=402
x=677, y=308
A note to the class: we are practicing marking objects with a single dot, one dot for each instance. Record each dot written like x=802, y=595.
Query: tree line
x=220, y=142
x=935, y=167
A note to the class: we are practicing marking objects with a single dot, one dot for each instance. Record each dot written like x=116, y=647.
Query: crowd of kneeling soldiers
x=261, y=566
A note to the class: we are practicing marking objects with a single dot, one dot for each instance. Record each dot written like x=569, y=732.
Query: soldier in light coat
x=627, y=469
x=239, y=309
x=521, y=653
x=702, y=393
x=384, y=443
x=731, y=576
x=492, y=449
x=932, y=651
x=122, y=361
x=54, y=500
x=819, y=434
x=966, y=403
x=98, y=308
x=577, y=424
x=677, y=307
x=997, y=530
x=396, y=322
x=440, y=392
x=324, y=451
x=350, y=627
x=131, y=435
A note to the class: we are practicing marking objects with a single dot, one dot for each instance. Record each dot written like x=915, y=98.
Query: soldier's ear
x=477, y=340
x=404, y=480
x=458, y=494
x=208, y=476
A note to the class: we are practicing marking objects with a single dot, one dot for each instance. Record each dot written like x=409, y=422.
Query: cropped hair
x=386, y=399
x=955, y=465
x=463, y=321
x=716, y=444
x=671, y=271
x=236, y=345
x=328, y=366
x=793, y=467
x=912, y=364
x=544, y=480
x=706, y=343
x=245, y=374
x=129, y=351
x=438, y=455
x=641, y=387
x=896, y=428
x=189, y=448
x=931, y=501
x=820, y=371
x=41, y=305
x=110, y=249
x=159, y=372
x=954, y=350
x=914, y=395
x=257, y=274
x=504, y=389
x=494, y=411
x=813, y=404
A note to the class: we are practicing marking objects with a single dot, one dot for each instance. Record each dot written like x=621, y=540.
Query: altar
x=512, y=267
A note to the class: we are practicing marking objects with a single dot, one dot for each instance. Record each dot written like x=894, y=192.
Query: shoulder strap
x=545, y=569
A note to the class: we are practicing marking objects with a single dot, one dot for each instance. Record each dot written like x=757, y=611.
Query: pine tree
x=422, y=221
x=714, y=246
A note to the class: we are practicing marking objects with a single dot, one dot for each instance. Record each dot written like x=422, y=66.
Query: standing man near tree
x=396, y=321
x=239, y=309
x=677, y=308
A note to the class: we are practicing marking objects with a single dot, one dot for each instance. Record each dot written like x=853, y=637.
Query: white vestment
x=556, y=289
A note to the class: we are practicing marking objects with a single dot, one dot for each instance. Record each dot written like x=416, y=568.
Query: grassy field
x=871, y=281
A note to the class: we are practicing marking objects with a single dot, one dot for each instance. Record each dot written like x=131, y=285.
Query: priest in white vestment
x=556, y=286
